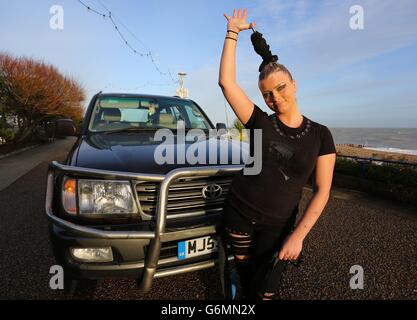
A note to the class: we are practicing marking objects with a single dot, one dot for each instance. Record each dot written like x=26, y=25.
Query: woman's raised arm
x=240, y=103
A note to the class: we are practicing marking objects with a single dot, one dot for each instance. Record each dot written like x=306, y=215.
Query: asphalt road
x=354, y=229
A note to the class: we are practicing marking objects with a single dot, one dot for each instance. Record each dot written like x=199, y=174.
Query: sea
x=400, y=140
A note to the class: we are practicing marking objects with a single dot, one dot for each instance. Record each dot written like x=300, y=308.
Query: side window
x=180, y=116
x=196, y=118
x=167, y=118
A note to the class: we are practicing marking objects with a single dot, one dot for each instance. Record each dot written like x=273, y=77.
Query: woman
x=260, y=211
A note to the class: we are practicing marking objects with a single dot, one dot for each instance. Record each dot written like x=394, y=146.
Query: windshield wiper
x=138, y=129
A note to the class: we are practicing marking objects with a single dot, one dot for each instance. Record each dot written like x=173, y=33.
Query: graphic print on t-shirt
x=281, y=154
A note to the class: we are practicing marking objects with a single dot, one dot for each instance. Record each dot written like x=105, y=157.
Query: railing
x=370, y=160
x=367, y=161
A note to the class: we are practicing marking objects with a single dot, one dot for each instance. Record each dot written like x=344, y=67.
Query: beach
x=358, y=151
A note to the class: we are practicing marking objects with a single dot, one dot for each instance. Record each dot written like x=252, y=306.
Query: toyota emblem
x=212, y=191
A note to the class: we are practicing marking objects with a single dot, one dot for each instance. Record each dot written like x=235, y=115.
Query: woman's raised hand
x=238, y=21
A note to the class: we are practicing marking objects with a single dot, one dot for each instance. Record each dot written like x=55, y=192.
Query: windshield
x=117, y=113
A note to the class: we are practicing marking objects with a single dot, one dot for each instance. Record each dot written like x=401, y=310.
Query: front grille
x=169, y=249
x=184, y=195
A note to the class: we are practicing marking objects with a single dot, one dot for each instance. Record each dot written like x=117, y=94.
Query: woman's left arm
x=322, y=184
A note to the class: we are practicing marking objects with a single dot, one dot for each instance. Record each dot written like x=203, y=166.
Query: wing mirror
x=65, y=128
x=221, y=125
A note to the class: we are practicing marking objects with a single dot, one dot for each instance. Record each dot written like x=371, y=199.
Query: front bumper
x=137, y=253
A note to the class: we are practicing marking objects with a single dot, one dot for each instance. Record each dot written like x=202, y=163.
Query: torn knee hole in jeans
x=241, y=252
x=241, y=240
x=237, y=233
x=242, y=258
x=237, y=238
x=241, y=245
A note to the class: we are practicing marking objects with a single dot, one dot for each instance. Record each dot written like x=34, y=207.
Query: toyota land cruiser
x=115, y=210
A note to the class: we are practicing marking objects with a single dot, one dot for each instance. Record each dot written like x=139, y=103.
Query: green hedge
x=388, y=180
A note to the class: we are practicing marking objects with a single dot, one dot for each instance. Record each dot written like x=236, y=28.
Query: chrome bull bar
x=153, y=254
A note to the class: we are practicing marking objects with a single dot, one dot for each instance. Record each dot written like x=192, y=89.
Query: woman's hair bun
x=262, y=48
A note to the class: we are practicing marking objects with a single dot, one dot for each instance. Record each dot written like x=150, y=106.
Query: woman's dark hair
x=269, y=63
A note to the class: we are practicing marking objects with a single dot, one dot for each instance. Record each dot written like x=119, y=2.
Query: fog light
x=92, y=254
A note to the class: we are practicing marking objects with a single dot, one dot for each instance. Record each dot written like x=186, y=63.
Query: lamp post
x=182, y=91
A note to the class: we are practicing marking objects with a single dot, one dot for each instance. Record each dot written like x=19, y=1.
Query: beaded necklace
x=281, y=133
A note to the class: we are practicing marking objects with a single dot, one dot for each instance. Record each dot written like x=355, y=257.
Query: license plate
x=196, y=247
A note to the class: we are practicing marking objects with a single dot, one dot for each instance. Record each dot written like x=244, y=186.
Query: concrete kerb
x=18, y=151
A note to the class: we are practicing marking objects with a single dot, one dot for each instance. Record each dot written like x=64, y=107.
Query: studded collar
x=291, y=133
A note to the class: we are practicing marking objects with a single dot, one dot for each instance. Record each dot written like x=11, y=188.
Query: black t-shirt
x=289, y=157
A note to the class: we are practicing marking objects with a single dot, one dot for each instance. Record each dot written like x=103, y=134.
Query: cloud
x=323, y=40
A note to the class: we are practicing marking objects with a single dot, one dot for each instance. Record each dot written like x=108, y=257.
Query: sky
x=345, y=77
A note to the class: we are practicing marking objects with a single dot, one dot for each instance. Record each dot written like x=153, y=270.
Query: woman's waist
x=267, y=189
x=277, y=178
x=277, y=209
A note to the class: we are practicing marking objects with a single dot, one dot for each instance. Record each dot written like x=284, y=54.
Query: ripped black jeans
x=254, y=246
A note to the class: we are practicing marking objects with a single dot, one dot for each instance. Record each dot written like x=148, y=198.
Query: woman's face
x=279, y=92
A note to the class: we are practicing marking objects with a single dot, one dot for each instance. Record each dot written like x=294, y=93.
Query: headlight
x=106, y=197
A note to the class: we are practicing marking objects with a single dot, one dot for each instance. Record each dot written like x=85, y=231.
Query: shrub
x=392, y=181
